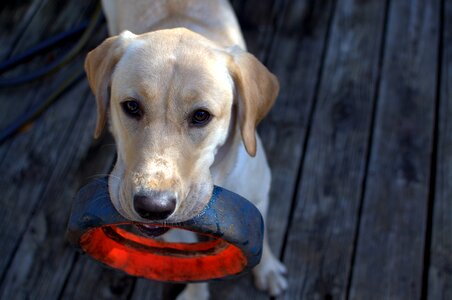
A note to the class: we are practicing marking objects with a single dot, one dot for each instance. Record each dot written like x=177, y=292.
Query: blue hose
x=41, y=47
x=95, y=19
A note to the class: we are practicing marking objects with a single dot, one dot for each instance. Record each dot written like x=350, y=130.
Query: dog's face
x=170, y=95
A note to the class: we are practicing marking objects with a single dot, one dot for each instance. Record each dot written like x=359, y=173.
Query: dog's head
x=170, y=96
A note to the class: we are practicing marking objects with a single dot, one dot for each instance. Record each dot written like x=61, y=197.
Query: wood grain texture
x=91, y=280
x=389, y=257
x=320, y=239
x=327, y=55
x=39, y=167
x=440, y=269
x=39, y=264
x=28, y=165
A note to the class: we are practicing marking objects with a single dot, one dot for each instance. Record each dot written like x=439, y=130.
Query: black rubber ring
x=228, y=217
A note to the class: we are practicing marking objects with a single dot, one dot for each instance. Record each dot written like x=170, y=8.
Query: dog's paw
x=269, y=276
x=194, y=291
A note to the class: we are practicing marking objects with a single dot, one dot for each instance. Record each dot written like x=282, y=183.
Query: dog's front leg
x=269, y=273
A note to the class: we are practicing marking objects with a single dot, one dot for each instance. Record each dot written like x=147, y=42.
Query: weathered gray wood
x=147, y=289
x=27, y=170
x=319, y=248
x=389, y=257
x=38, y=251
x=256, y=20
x=440, y=269
x=40, y=266
x=42, y=168
x=90, y=280
x=295, y=57
x=39, y=263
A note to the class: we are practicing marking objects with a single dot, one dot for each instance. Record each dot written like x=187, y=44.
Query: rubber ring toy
x=233, y=225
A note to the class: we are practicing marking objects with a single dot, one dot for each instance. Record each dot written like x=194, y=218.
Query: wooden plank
x=440, y=269
x=389, y=257
x=319, y=245
x=295, y=57
x=38, y=260
x=259, y=21
x=40, y=264
x=30, y=163
x=147, y=289
x=90, y=280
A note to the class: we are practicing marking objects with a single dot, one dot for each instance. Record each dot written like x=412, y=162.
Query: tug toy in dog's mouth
x=233, y=225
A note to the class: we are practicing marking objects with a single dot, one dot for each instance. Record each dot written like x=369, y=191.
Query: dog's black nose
x=154, y=205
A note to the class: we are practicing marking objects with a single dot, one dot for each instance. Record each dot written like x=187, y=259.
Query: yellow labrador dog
x=183, y=98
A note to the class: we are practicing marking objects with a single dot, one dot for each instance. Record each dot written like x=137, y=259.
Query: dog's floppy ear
x=99, y=66
x=257, y=90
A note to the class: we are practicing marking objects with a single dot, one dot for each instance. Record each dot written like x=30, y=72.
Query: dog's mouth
x=151, y=230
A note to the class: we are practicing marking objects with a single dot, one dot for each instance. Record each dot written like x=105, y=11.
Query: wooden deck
x=360, y=144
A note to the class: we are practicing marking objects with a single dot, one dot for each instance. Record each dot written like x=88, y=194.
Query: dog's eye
x=132, y=108
x=200, y=117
